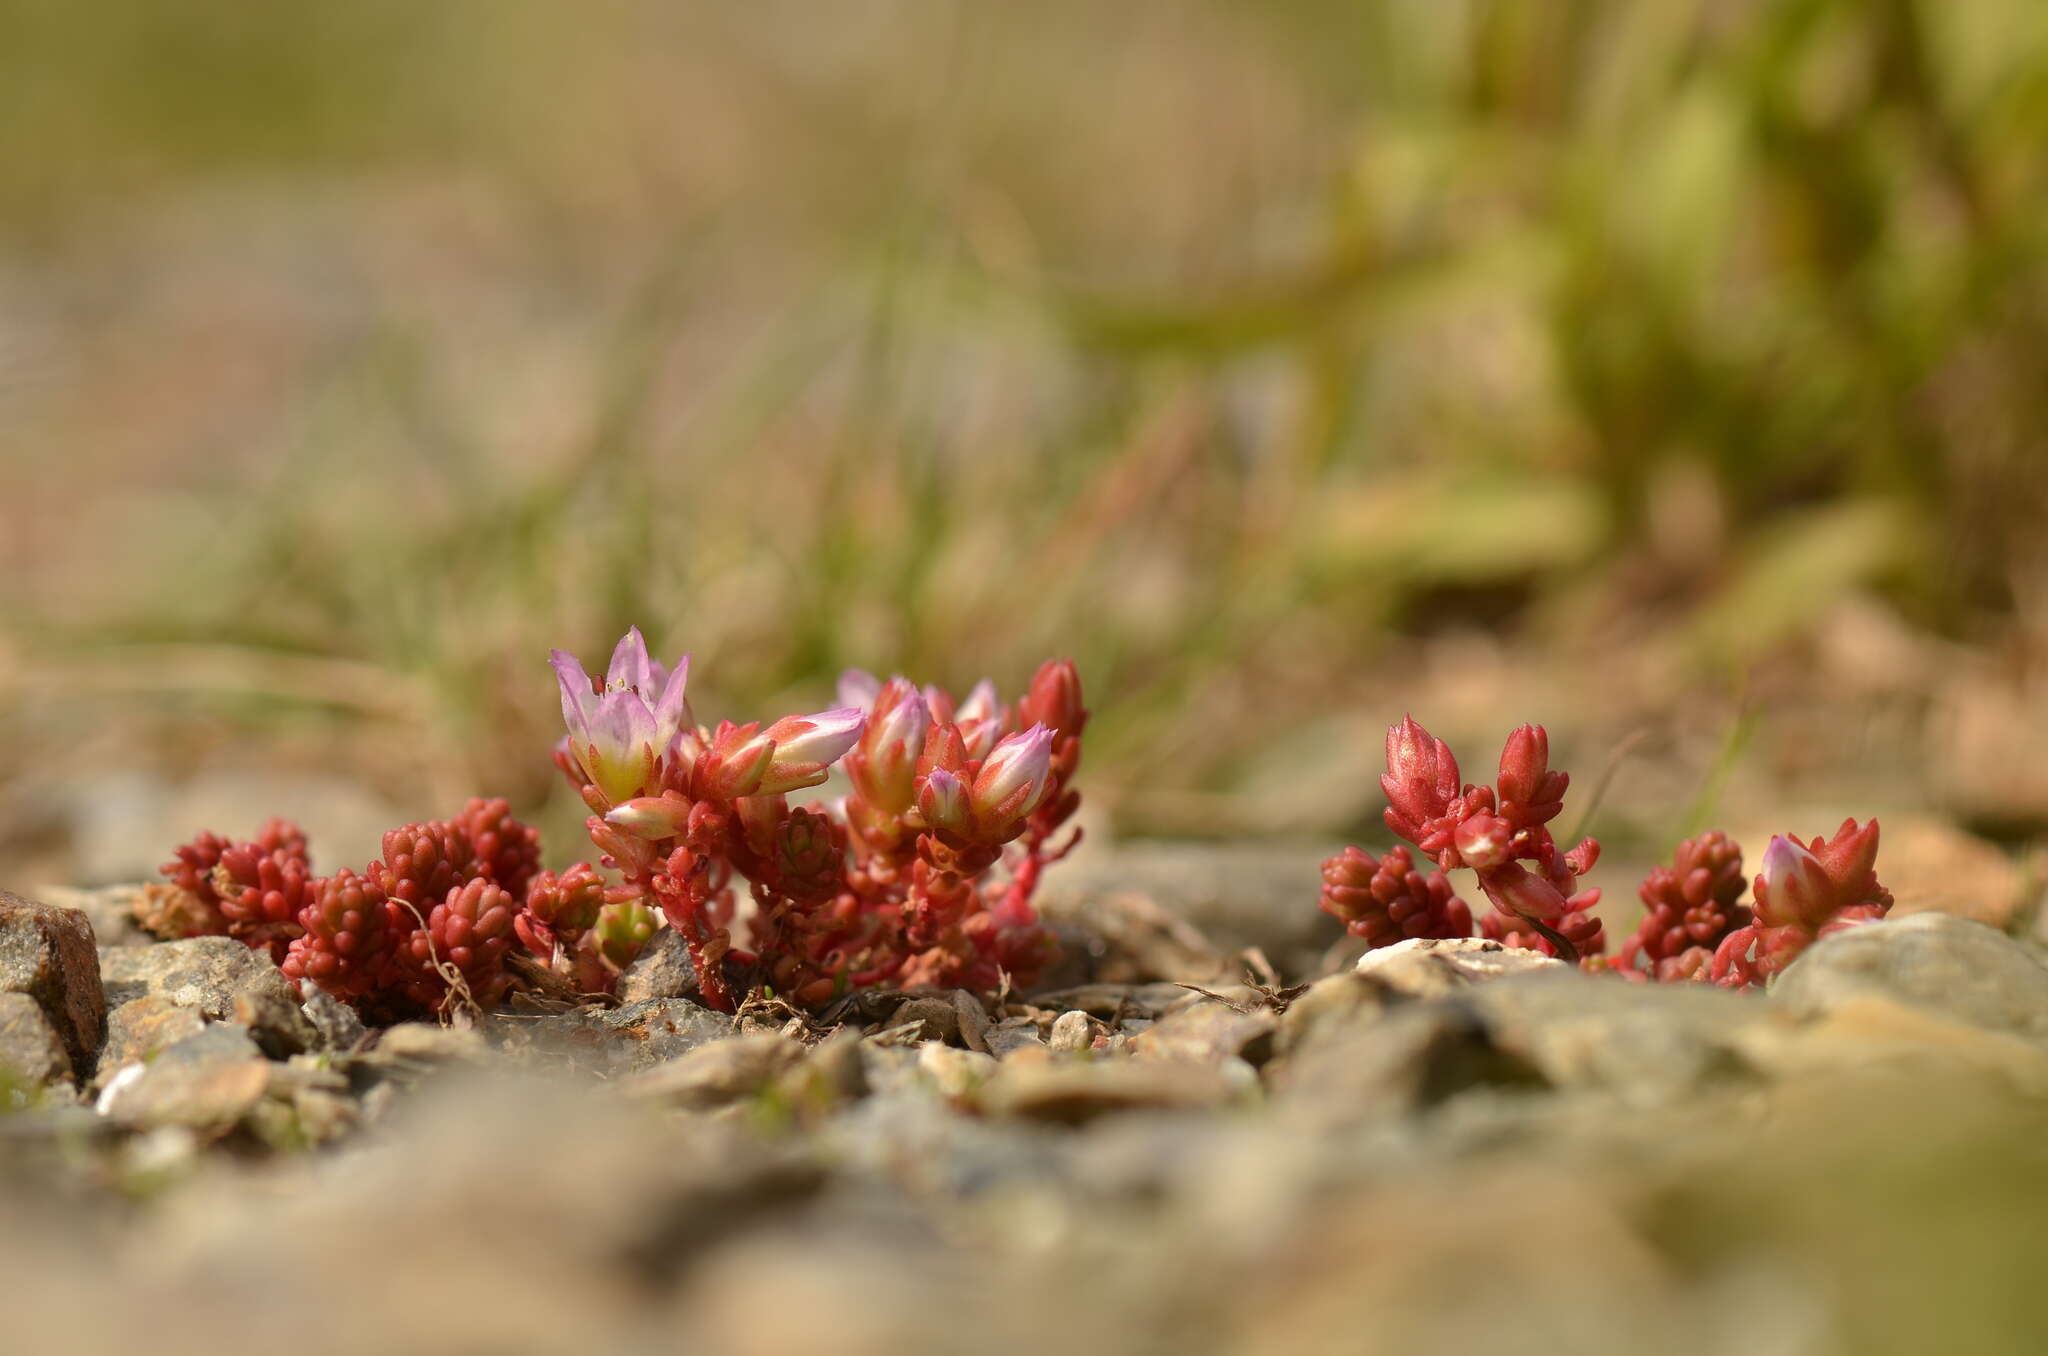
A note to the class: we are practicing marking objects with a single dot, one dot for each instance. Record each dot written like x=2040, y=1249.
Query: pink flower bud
x=1794, y=889
x=1484, y=841
x=735, y=764
x=806, y=745
x=884, y=766
x=981, y=720
x=942, y=801
x=1013, y=778
x=652, y=818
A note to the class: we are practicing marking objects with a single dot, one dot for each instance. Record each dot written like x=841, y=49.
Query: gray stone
x=935, y=1019
x=1960, y=970
x=1074, y=1092
x=278, y=1021
x=203, y=973
x=1428, y=967
x=1014, y=1035
x=419, y=1044
x=1644, y=1042
x=1394, y=1065
x=47, y=953
x=219, y=978
x=661, y=1029
x=142, y=1026
x=205, y=1083
x=338, y=1026
x=973, y=1020
x=663, y=970
x=1209, y=1031
x=110, y=909
x=719, y=1073
x=1342, y=1000
x=30, y=1048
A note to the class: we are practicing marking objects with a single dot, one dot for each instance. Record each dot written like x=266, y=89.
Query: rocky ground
x=1444, y=1147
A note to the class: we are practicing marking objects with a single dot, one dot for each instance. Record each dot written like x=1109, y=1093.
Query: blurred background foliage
x=1628, y=366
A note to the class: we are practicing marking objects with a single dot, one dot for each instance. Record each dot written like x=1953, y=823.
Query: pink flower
x=806, y=745
x=620, y=730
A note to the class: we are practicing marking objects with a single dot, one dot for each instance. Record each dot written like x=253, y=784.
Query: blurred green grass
x=350, y=357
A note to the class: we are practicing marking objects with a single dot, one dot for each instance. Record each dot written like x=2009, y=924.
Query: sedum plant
x=923, y=873
x=1695, y=925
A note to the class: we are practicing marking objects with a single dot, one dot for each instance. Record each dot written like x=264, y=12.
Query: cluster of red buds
x=1806, y=891
x=431, y=919
x=1499, y=832
x=896, y=885
x=1695, y=925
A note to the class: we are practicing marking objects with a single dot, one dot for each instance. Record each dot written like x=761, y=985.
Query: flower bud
x=1421, y=779
x=1794, y=889
x=735, y=764
x=1013, y=779
x=650, y=817
x=1484, y=841
x=1054, y=699
x=942, y=801
x=883, y=766
x=1527, y=786
x=980, y=719
x=806, y=745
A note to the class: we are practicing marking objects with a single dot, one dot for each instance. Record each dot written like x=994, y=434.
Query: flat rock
x=1332, y=1003
x=205, y=1083
x=1427, y=967
x=142, y=1026
x=203, y=973
x=719, y=1073
x=1209, y=1032
x=48, y=954
x=1075, y=1092
x=1643, y=1042
x=1394, y=1064
x=30, y=1048
x=1964, y=971
x=661, y=1029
